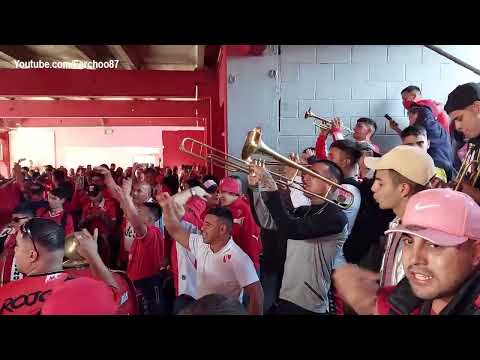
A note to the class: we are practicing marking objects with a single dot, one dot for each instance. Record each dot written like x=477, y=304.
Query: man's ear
x=428, y=144
x=405, y=189
x=476, y=252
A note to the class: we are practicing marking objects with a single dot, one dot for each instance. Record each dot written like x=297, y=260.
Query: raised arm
x=171, y=220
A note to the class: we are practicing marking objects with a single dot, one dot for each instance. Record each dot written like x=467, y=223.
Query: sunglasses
x=25, y=229
x=18, y=219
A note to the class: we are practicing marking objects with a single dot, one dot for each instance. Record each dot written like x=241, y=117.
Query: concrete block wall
x=351, y=81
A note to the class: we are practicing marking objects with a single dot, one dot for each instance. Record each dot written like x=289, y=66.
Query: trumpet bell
x=71, y=253
x=308, y=113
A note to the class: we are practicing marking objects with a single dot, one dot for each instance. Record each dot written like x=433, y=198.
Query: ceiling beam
x=127, y=56
x=54, y=82
x=89, y=122
x=103, y=109
x=18, y=52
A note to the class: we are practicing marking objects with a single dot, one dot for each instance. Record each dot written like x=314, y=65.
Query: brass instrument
x=218, y=158
x=71, y=253
x=324, y=124
x=470, y=169
x=254, y=144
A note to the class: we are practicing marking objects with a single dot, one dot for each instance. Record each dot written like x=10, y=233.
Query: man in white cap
x=399, y=174
x=441, y=256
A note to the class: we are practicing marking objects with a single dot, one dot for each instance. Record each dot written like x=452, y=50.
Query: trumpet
x=470, y=168
x=324, y=124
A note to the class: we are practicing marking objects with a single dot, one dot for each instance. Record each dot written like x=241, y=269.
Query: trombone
x=218, y=158
x=254, y=144
x=470, y=166
x=324, y=124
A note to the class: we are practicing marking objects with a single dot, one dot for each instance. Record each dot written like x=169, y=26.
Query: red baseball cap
x=230, y=185
x=442, y=216
x=81, y=296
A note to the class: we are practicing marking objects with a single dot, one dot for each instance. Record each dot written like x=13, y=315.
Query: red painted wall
x=5, y=161
x=172, y=156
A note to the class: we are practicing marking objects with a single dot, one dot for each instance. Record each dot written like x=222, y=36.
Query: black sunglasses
x=25, y=229
x=18, y=219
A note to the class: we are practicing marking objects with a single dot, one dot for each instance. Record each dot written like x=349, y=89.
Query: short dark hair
x=97, y=174
x=193, y=182
x=350, y=148
x=105, y=166
x=61, y=192
x=224, y=214
x=368, y=122
x=308, y=148
x=46, y=233
x=413, y=130
x=333, y=169
x=398, y=179
x=23, y=209
x=154, y=209
x=59, y=175
x=214, y=304
x=411, y=88
x=149, y=171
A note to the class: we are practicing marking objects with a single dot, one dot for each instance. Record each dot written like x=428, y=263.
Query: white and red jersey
x=183, y=265
x=224, y=272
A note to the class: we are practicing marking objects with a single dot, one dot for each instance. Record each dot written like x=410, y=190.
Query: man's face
x=419, y=141
x=25, y=254
x=361, y=131
x=437, y=271
x=467, y=121
x=385, y=192
x=98, y=180
x=339, y=157
x=226, y=198
x=140, y=193
x=314, y=184
x=145, y=215
x=408, y=98
x=54, y=201
x=212, y=229
x=150, y=178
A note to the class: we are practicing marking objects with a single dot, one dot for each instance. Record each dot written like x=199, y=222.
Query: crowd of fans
x=180, y=241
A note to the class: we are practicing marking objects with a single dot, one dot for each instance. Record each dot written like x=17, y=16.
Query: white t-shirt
x=298, y=197
x=225, y=272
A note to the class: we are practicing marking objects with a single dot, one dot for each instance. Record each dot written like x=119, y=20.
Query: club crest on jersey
x=226, y=257
x=239, y=221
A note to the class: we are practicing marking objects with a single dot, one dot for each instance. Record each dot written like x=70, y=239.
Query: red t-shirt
x=106, y=207
x=245, y=231
x=146, y=254
x=46, y=214
x=10, y=198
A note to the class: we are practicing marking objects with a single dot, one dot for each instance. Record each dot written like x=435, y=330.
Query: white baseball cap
x=409, y=161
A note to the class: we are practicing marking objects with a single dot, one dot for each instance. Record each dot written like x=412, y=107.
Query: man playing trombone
x=313, y=233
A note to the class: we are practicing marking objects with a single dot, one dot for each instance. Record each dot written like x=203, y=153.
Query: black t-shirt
x=370, y=224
